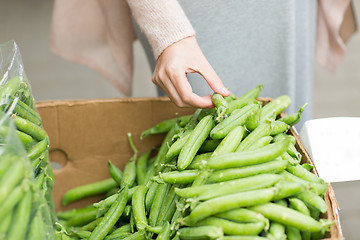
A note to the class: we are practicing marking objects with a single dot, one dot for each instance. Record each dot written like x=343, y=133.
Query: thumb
x=215, y=83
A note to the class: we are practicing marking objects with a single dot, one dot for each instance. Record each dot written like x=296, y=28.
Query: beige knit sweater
x=100, y=33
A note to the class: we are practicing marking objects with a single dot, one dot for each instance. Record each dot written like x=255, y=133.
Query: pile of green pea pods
x=17, y=101
x=24, y=210
x=230, y=172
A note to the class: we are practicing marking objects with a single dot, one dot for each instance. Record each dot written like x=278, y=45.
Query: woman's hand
x=172, y=66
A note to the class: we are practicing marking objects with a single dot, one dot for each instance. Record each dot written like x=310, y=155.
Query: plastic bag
x=24, y=211
x=17, y=101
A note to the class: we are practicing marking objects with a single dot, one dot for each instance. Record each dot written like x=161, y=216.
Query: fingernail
x=225, y=91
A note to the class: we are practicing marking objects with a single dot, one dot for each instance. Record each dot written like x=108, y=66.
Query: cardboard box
x=84, y=135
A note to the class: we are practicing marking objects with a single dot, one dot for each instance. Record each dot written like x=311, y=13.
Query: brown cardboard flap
x=84, y=135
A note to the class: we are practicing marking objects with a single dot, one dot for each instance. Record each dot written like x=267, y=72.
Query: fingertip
x=207, y=102
x=225, y=92
x=202, y=102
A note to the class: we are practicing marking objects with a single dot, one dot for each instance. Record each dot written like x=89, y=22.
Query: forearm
x=162, y=21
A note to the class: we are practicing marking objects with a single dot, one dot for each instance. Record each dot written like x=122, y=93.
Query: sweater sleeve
x=162, y=21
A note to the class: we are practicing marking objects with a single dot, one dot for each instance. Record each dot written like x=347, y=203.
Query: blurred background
x=52, y=78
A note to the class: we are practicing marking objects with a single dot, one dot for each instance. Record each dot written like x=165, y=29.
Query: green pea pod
x=239, y=159
x=91, y=225
x=37, y=162
x=291, y=150
x=240, y=237
x=219, y=101
x=209, y=145
x=243, y=215
x=151, y=171
x=105, y=204
x=128, y=209
x=230, y=142
x=111, y=217
x=233, y=228
x=196, y=139
x=241, y=184
x=253, y=93
x=165, y=233
x=290, y=217
x=287, y=189
x=237, y=118
x=37, y=229
x=6, y=162
x=259, y=132
x=300, y=206
x=203, y=232
x=274, y=166
x=316, y=188
x=129, y=174
x=200, y=161
x=82, y=234
x=236, y=186
x=38, y=149
x=150, y=195
x=205, y=112
x=26, y=139
x=313, y=200
x=30, y=128
x=165, y=126
x=140, y=235
x=26, y=112
x=141, y=167
x=12, y=200
x=275, y=107
x=5, y=224
x=66, y=215
x=117, y=236
x=221, y=105
x=156, y=229
x=277, y=231
x=307, y=166
x=9, y=90
x=293, y=233
x=138, y=203
x=11, y=179
x=278, y=127
x=88, y=190
x=317, y=235
x=253, y=120
x=302, y=173
x=160, y=157
x=157, y=203
x=122, y=231
x=293, y=118
x=170, y=212
x=230, y=98
x=115, y=172
x=229, y=202
x=241, y=103
x=176, y=147
x=169, y=198
x=247, y=98
x=21, y=218
x=261, y=142
x=286, y=157
x=181, y=177
x=83, y=218
x=201, y=178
